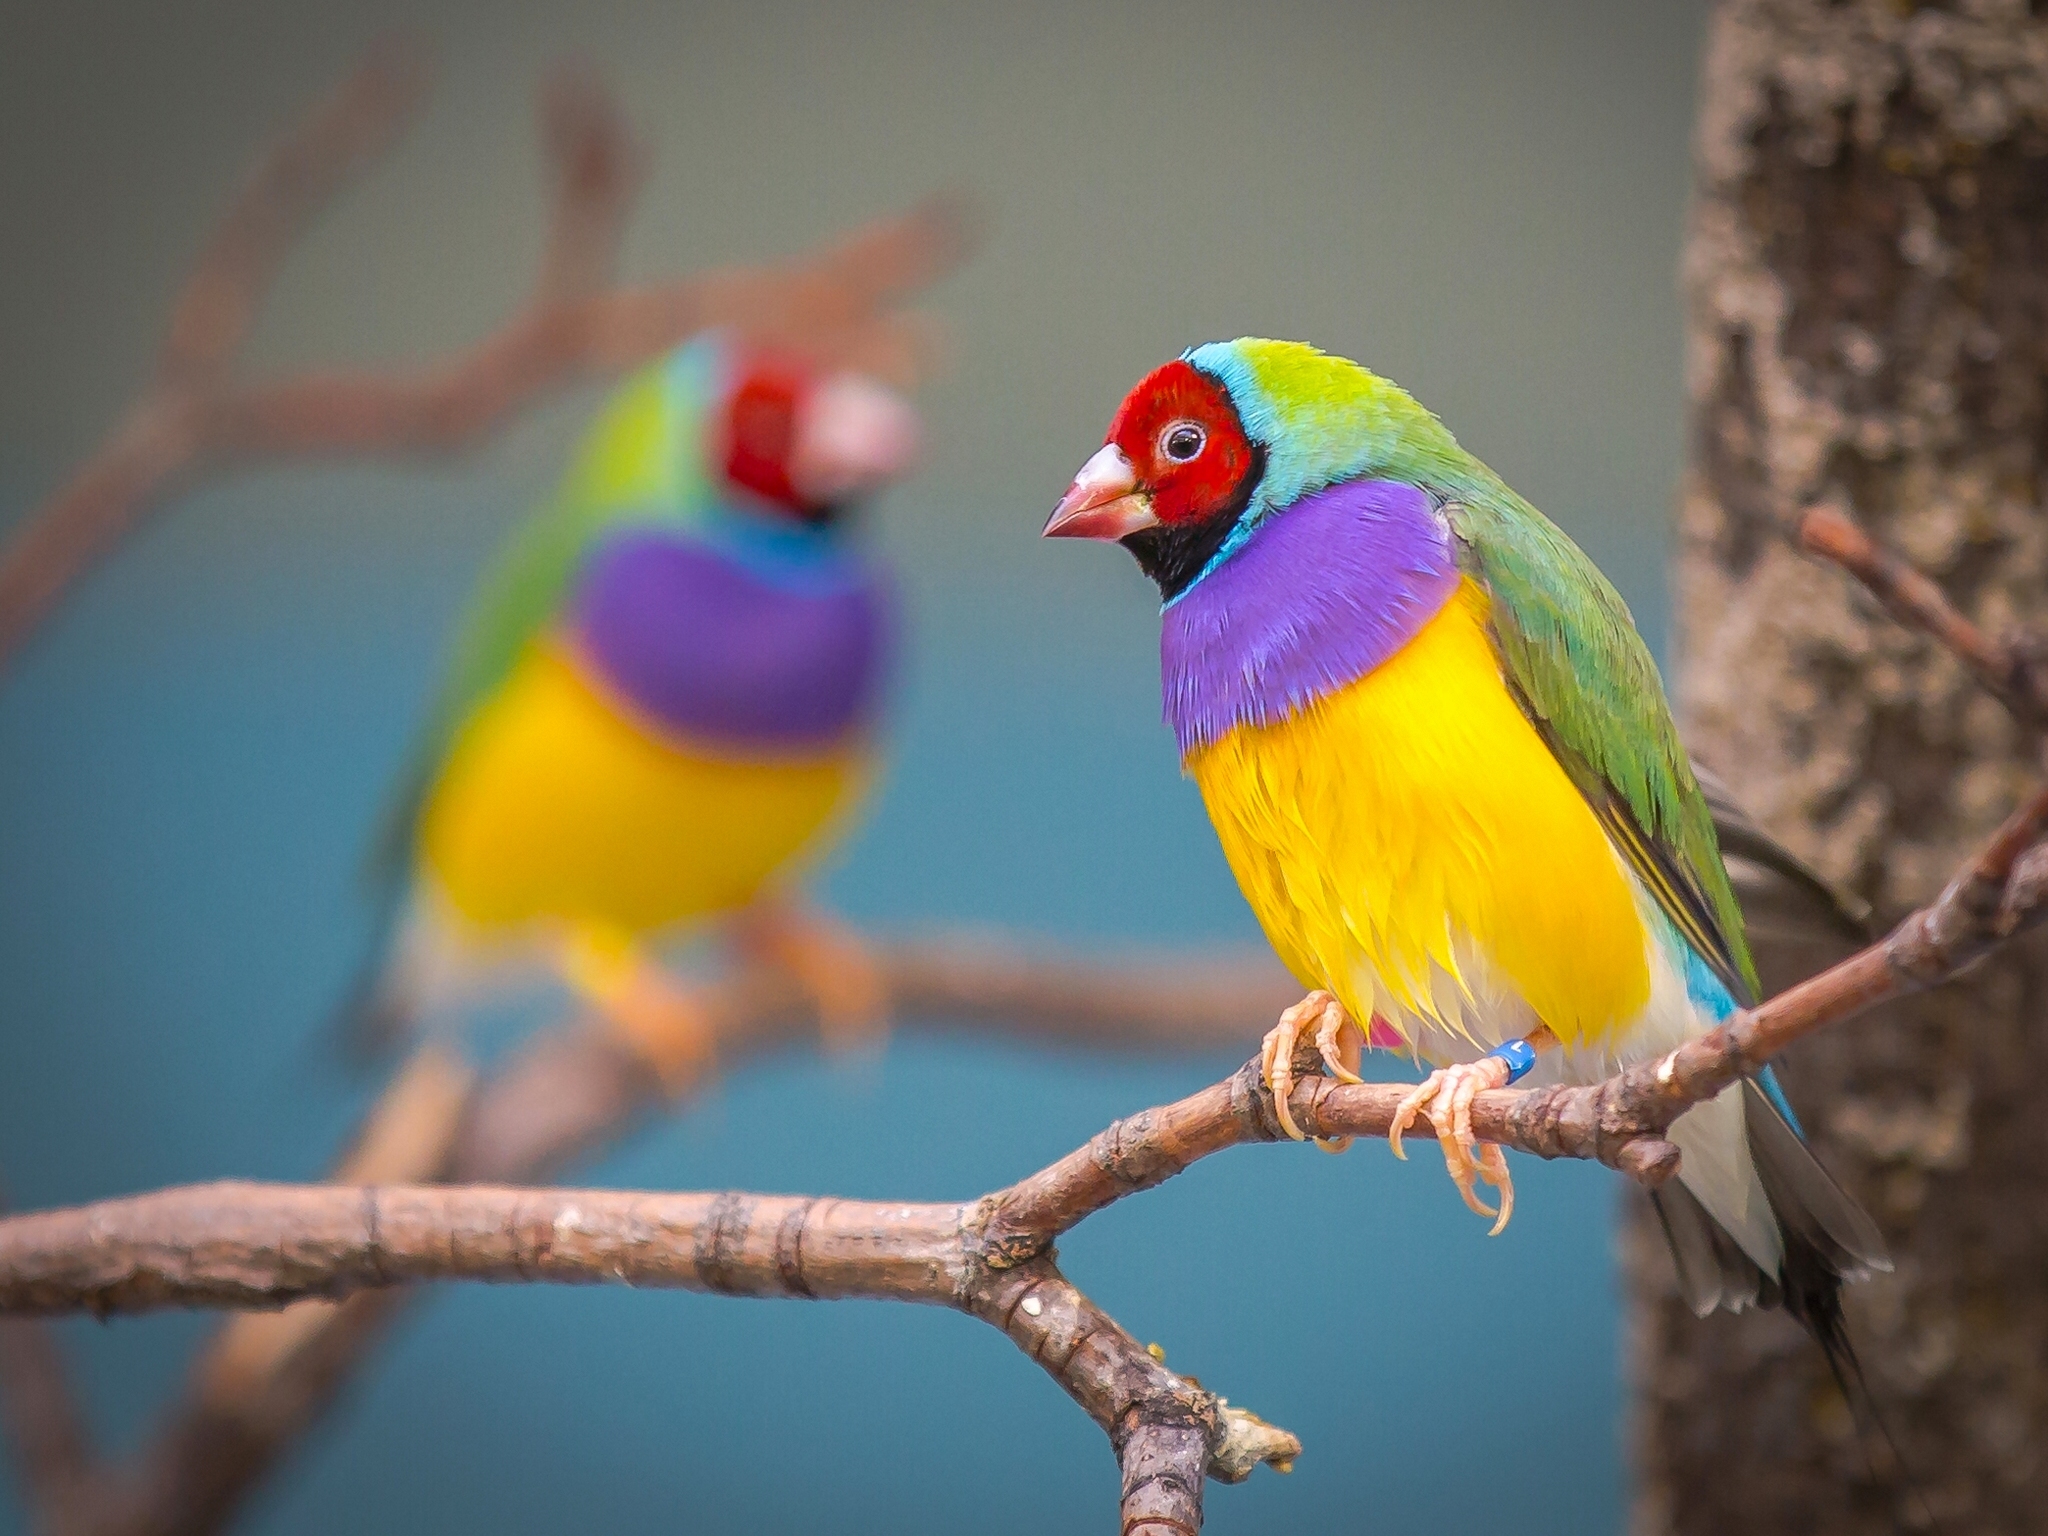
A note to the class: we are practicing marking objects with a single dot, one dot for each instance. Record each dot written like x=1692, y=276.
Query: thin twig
x=599, y=166
x=2012, y=669
x=285, y=194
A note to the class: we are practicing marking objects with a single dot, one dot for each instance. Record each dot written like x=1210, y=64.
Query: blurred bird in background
x=1442, y=767
x=661, y=706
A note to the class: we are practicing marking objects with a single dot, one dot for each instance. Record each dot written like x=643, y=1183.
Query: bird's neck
x=1320, y=594
x=776, y=547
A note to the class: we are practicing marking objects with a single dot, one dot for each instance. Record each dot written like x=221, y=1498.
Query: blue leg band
x=1520, y=1056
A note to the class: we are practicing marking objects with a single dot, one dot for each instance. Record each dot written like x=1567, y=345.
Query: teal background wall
x=1482, y=200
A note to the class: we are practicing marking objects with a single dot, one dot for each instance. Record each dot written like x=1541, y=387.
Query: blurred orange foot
x=655, y=1012
x=828, y=960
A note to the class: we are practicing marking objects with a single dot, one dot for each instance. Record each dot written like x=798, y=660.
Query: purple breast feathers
x=720, y=654
x=1321, y=593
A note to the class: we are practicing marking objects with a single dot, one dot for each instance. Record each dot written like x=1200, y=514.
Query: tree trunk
x=1867, y=287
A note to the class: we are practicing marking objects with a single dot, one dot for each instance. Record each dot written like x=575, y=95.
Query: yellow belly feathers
x=1410, y=843
x=555, y=805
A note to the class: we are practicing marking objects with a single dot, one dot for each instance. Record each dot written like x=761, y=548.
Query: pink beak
x=1104, y=501
x=852, y=436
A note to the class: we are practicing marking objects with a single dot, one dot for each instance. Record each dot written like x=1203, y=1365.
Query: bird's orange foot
x=831, y=964
x=1447, y=1096
x=1338, y=1040
x=656, y=1013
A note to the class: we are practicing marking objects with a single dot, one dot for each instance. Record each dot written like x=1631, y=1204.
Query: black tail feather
x=1828, y=1240
x=369, y=1024
x=1812, y=1294
x=1713, y=1272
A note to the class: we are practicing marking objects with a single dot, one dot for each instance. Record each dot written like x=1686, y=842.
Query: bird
x=661, y=705
x=1442, y=767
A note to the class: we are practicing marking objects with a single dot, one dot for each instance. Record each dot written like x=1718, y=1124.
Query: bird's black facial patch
x=1174, y=555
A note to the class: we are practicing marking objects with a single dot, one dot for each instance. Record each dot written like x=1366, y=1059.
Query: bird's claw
x=1338, y=1040
x=1447, y=1095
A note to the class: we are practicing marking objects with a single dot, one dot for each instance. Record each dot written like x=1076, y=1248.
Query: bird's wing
x=631, y=469
x=1570, y=651
x=1824, y=907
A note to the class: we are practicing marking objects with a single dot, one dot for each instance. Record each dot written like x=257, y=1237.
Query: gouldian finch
x=1443, y=770
x=663, y=701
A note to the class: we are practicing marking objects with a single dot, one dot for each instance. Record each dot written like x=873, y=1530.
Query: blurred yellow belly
x=555, y=805
x=1410, y=843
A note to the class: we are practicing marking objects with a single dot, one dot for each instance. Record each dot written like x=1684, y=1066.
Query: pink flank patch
x=1383, y=1036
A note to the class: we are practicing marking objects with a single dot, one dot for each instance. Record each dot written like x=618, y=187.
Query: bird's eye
x=1182, y=441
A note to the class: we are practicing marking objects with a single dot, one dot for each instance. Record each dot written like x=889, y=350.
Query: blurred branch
x=194, y=416
x=599, y=168
x=2013, y=669
x=287, y=191
x=52, y=1453
x=46, y=1433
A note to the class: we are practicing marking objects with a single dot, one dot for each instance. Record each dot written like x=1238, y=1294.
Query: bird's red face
x=806, y=443
x=1173, y=477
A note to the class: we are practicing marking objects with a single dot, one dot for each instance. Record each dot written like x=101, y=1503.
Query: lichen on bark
x=1866, y=279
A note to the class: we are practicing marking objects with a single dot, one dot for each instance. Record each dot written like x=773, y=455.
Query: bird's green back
x=640, y=463
x=1566, y=641
x=1583, y=674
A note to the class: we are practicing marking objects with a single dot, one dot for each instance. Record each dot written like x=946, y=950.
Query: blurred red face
x=805, y=443
x=760, y=431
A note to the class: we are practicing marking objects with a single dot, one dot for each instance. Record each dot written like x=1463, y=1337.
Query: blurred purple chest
x=712, y=649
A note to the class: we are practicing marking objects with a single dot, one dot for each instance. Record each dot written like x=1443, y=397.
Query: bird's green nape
x=1324, y=419
x=1566, y=641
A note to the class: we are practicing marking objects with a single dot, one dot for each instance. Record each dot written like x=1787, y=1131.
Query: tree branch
x=264, y=1245
x=266, y=1377
x=2013, y=669
x=599, y=168
x=257, y=1245
x=837, y=303
x=287, y=191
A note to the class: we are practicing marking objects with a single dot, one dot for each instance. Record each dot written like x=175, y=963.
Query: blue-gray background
x=1483, y=200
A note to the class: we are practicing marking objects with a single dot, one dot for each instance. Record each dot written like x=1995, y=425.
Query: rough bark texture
x=1867, y=280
